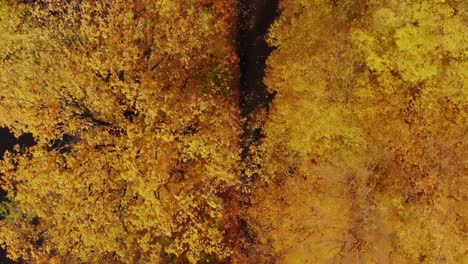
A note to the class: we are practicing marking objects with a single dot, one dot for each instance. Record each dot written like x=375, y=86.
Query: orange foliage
x=134, y=108
x=364, y=149
x=133, y=105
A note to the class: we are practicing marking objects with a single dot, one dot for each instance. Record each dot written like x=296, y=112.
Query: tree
x=134, y=109
x=362, y=159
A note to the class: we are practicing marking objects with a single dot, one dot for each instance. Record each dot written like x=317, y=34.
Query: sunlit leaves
x=133, y=150
x=364, y=144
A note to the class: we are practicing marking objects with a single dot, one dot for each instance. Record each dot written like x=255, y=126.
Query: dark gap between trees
x=254, y=19
x=7, y=143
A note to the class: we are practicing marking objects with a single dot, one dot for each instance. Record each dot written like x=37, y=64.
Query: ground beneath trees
x=254, y=19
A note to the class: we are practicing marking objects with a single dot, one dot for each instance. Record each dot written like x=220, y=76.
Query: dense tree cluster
x=363, y=159
x=133, y=106
x=124, y=140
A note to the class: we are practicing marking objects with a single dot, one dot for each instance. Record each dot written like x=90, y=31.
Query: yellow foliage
x=363, y=156
x=133, y=106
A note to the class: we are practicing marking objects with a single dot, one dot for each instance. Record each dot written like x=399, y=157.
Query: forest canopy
x=233, y=131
